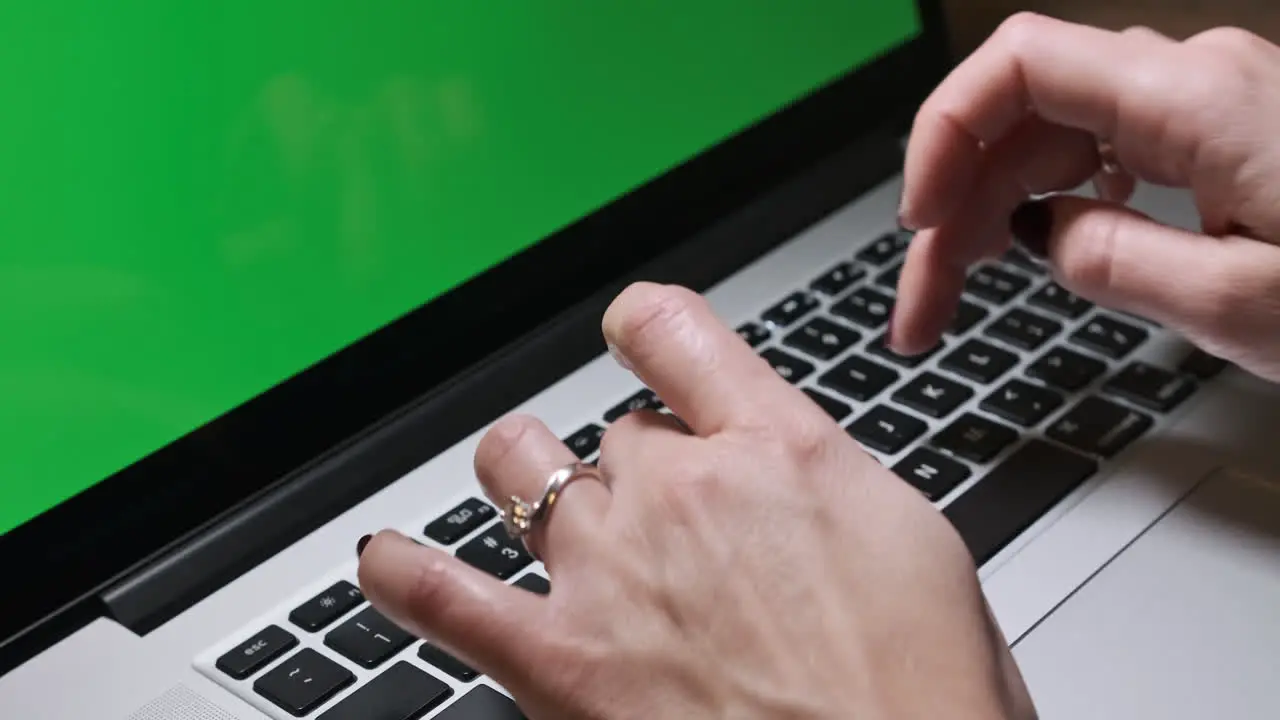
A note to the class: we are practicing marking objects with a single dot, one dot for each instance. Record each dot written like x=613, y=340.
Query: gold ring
x=519, y=515
x=1107, y=154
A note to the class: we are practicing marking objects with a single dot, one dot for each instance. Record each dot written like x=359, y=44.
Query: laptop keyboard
x=1031, y=390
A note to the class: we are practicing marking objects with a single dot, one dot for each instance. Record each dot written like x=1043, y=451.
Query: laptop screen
x=192, y=219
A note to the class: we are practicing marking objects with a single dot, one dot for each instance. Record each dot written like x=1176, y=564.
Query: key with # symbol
x=496, y=553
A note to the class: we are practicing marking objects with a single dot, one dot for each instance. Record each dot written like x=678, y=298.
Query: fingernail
x=618, y=357
x=902, y=212
x=1031, y=224
x=361, y=544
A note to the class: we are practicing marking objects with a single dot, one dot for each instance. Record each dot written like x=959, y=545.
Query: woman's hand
x=760, y=565
x=1022, y=116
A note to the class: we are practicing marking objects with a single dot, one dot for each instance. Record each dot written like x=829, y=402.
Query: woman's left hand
x=759, y=565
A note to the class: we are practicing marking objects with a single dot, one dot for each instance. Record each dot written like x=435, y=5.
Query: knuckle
x=1021, y=32
x=1226, y=62
x=807, y=443
x=1138, y=31
x=617, y=433
x=1147, y=79
x=1229, y=39
x=1012, y=42
x=1148, y=36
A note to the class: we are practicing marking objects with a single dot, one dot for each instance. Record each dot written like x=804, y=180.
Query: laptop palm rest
x=1185, y=623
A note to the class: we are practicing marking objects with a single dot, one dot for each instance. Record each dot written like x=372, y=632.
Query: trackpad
x=1183, y=624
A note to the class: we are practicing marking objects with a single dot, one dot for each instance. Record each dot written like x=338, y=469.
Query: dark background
x=971, y=21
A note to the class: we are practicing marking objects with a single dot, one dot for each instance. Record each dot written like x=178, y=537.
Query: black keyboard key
x=460, y=521
x=1066, y=369
x=1099, y=427
x=967, y=315
x=447, y=663
x=326, y=607
x=866, y=307
x=586, y=441
x=1024, y=262
x=887, y=247
x=646, y=399
x=836, y=409
x=1150, y=387
x=496, y=553
x=253, y=654
x=886, y=430
x=932, y=395
x=822, y=338
x=402, y=692
x=788, y=366
x=974, y=438
x=1060, y=301
x=1019, y=491
x=996, y=285
x=1024, y=330
x=931, y=473
x=368, y=639
x=1022, y=403
x=880, y=349
x=790, y=309
x=1109, y=337
x=534, y=583
x=754, y=334
x=1201, y=365
x=482, y=703
x=303, y=682
x=889, y=278
x=858, y=378
x=838, y=279
x=978, y=361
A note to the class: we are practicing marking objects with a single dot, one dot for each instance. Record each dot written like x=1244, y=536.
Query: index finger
x=701, y=369
x=1071, y=75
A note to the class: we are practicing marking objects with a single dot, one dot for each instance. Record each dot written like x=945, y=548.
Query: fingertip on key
x=902, y=343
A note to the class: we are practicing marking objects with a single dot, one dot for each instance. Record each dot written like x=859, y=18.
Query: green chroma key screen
x=200, y=200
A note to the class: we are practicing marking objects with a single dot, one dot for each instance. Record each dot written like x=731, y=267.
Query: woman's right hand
x=1023, y=116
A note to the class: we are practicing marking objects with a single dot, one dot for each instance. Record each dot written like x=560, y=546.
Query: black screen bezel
x=75, y=549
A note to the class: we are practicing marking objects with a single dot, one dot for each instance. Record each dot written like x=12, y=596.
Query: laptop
x=272, y=269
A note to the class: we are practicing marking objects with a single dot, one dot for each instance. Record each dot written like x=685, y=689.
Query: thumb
x=492, y=626
x=1205, y=287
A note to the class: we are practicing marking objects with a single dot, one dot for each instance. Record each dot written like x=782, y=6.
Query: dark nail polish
x=361, y=543
x=1031, y=224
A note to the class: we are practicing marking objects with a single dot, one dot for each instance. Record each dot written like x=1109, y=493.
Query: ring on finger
x=1107, y=154
x=520, y=515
